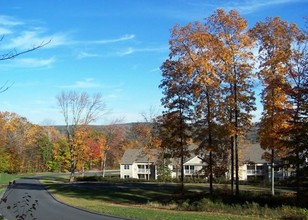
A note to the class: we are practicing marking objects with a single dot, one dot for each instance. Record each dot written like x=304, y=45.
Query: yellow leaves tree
x=20, y=143
x=80, y=148
x=18, y=134
x=195, y=46
x=275, y=38
x=60, y=157
x=235, y=64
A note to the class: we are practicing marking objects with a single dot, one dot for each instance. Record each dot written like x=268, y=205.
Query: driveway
x=27, y=199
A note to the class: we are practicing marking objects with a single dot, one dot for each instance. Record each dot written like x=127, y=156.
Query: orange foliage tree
x=275, y=38
x=91, y=148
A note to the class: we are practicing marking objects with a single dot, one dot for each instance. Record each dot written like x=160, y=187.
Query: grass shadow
x=115, y=193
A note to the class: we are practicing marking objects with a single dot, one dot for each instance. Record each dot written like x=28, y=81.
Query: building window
x=126, y=167
x=189, y=169
x=144, y=169
x=259, y=167
x=141, y=176
x=126, y=176
x=250, y=167
x=174, y=168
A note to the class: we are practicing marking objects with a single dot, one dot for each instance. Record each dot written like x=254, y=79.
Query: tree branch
x=13, y=53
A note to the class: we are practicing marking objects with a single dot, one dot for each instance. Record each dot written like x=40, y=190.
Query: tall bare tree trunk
x=104, y=163
x=72, y=164
x=273, y=173
x=232, y=165
x=72, y=156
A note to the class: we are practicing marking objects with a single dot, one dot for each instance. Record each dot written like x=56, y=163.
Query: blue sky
x=114, y=47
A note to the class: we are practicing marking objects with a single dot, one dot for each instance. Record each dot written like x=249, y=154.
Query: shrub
x=164, y=174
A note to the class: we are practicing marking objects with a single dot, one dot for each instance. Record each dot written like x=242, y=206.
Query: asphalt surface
x=27, y=199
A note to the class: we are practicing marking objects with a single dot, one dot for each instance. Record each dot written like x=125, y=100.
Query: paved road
x=27, y=199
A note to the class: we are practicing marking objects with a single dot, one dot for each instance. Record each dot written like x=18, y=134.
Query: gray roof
x=250, y=154
x=253, y=153
x=139, y=155
x=193, y=152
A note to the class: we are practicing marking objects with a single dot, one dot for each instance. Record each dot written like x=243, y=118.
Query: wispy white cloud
x=114, y=94
x=84, y=84
x=9, y=21
x=23, y=38
x=125, y=52
x=247, y=6
x=83, y=54
x=198, y=9
x=131, y=50
x=123, y=38
x=5, y=31
x=126, y=37
x=34, y=62
x=29, y=39
x=28, y=63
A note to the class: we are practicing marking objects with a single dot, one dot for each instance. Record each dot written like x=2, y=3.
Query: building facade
x=138, y=164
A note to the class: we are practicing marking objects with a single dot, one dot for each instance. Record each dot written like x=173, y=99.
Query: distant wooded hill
x=251, y=136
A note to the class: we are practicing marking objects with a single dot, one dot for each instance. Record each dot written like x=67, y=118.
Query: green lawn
x=139, y=212
x=160, y=201
x=5, y=179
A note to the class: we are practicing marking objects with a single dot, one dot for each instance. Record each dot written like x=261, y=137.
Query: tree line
x=27, y=147
x=209, y=85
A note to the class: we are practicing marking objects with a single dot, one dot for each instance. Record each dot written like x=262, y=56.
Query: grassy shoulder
x=161, y=201
x=143, y=212
x=5, y=179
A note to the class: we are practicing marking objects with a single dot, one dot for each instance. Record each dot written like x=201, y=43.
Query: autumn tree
x=4, y=152
x=298, y=93
x=206, y=90
x=33, y=159
x=275, y=38
x=81, y=147
x=78, y=109
x=234, y=63
x=92, y=147
x=46, y=140
x=102, y=150
x=60, y=161
x=19, y=144
x=196, y=47
x=114, y=135
x=177, y=101
x=45, y=150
